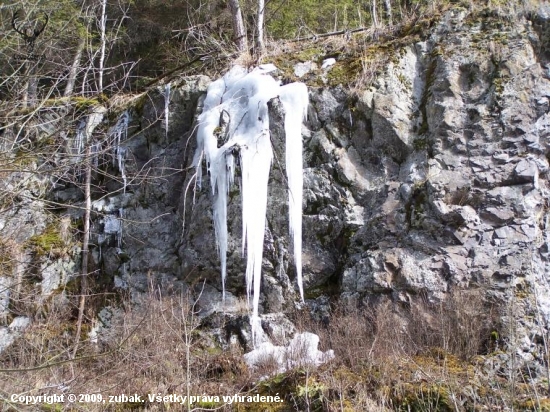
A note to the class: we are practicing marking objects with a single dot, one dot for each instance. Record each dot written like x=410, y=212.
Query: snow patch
x=234, y=125
x=328, y=63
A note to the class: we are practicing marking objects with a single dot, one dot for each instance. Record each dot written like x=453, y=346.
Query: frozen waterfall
x=235, y=122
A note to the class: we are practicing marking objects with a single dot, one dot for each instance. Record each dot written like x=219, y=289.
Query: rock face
x=431, y=180
x=140, y=231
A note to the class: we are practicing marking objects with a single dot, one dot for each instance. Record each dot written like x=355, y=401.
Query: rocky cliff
x=432, y=180
x=425, y=180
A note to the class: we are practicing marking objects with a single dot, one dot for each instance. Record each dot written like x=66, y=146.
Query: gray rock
x=56, y=274
x=497, y=215
x=301, y=69
x=526, y=172
x=9, y=334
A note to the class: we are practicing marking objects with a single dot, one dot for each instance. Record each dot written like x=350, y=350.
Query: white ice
x=166, y=108
x=119, y=133
x=243, y=98
x=79, y=139
x=295, y=101
x=301, y=351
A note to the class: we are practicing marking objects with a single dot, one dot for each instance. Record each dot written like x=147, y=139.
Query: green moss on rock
x=49, y=241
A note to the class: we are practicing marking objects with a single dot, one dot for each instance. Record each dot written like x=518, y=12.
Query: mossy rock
x=49, y=241
x=139, y=104
x=310, y=54
x=285, y=385
x=345, y=71
x=79, y=102
x=207, y=405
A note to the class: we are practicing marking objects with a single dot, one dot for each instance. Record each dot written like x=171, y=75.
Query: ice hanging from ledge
x=166, y=94
x=235, y=122
x=119, y=133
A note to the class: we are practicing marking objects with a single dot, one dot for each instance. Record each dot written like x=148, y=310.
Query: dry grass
x=427, y=357
x=150, y=347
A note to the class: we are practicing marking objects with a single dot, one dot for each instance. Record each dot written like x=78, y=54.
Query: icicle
x=244, y=98
x=220, y=187
x=119, y=232
x=121, y=157
x=119, y=133
x=166, y=108
x=95, y=151
x=79, y=138
x=295, y=101
x=255, y=163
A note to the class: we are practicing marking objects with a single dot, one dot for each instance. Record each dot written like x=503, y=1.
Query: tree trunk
x=260, y=45
x=73, y=71
x=387, y=9
x=102, y=28
x=374, y=15
x=85, y=247
x=238, y=25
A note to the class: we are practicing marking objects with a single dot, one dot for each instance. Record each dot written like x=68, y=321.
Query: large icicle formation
x=294, y=97
x=235, y=122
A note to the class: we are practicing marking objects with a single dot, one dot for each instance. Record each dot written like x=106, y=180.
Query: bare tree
x=260, y=45
x=102, y=28
x=238, y=25
x=374, y=14
x=85, y=247
x=29, y=31
x=73, y=71
x=388, y=11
